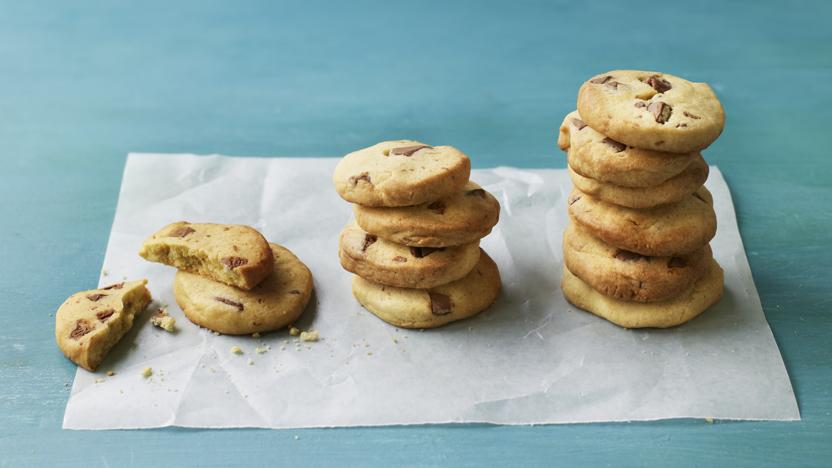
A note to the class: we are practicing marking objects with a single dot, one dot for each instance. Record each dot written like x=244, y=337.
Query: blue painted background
x=83, y=83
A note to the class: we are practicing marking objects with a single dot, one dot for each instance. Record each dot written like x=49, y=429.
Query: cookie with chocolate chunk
x=464, y=217
x=384, y=262
x=704, y=293
x=273, y=304
x=232, y=254
x=434, y=307
x=596, y=156
x=401, y=173
x=669, y=191
x=626, y=275
x=652, y=110
x=90, y=323
x=662, y=231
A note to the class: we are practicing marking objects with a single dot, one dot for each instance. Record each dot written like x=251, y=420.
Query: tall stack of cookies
x=637, y=250
x=230, y=279
x=414, y=243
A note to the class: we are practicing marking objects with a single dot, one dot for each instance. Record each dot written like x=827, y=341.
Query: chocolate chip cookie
x=434, y=307
x=626, y=275
x=705, y=292
x=273, y=304
x=662, y=231
x=599, y=157
x=652, y=110
x=669, y=191
x=401, y=173
x=231, y=254
x=90, y=323
x=464, y=217
x=384, y=262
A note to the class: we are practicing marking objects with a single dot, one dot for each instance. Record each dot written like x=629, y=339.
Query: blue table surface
x=84, y=83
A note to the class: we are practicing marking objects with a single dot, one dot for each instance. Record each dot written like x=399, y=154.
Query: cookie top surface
x=434, y=307
x=705, y=292
x=670, y=191
x=401, y=173
x=385, y=262
x=462, y=218
x=663, y=231
x=232, y=254
x=594, y=155
x=626, y=275
x=273, y=304
x=652, y=110
x=89, y=323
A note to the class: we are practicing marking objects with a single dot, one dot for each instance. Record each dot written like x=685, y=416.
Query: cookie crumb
x=251, y=362
x=216, y=333
x=311, y=335
x=147, y=372
x=261, y=349
x=236, y=350
x=709, y=420
x=104, y=272
x=110, y=373
x=294, y=331
x=255, y=335
x=98, y=381
x=162, y=320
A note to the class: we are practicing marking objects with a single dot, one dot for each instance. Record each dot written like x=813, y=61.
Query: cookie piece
x=401, y=173
x=662, y=231
x=652, y=110
x=465, y=217
x=626, y=275
x=232, y=254
x=89, y=323
x=599, y=157
x=271, y=305
x=384, y=262
x=705, y=292
x=434, y=307
x=669, y=191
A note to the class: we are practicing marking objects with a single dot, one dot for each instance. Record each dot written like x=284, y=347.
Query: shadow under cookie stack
x=414, y=243
x=637, y=249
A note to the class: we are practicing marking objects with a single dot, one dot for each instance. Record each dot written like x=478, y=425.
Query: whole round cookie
x=462, y=218
x=652, y=110
x=662, y=231
x=434, y=307
x=273, y=304
x=669, y=191
x=401, y=173
x=599, y=157
x=392, y=264
x=705, y=292
x=626, y=275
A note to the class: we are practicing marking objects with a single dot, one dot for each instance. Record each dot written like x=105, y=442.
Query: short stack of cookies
x=414, y=244
x=231, y=279
x=637, y=250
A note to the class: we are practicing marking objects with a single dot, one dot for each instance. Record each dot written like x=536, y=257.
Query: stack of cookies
x=231, y=279
x=637, y=251
x=414, y=244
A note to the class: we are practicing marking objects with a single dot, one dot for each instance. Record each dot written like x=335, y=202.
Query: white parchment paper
x=529, y=359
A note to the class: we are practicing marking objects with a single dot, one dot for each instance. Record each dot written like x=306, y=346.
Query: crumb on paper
x=255, y=335
x=147, y=372
x=311, y=335
x=251, y=362
x=98, y=381
x=709, y=420
x=261, y=349
x=104, y=272
x=110, y=373
x=162, y=320
x=216, y=333
x=294, y=331
x=236, y=350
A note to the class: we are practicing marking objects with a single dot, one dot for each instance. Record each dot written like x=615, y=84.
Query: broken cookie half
x=89, y=323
